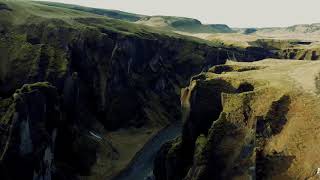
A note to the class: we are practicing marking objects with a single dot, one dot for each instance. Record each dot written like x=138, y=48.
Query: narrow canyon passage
x=141, y=166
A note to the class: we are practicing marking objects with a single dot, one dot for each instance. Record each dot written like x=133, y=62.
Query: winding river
x=141, y=166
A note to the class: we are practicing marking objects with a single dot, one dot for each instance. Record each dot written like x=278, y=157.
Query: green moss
x=41, y=86
x=17, y=56
x=57, y=61
x=38, y=85
x=200, y=146
x=175, y=147
x=201, y=141
x=187, y=54
x=232, y=101
x=6, y=118
x=4, y=106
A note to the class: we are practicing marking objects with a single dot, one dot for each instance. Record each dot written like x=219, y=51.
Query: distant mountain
x=295, y=29
x=184, y=24
x=173, y=23
x=300, y=28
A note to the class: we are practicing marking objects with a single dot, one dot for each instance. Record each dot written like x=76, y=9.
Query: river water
x=141, y=166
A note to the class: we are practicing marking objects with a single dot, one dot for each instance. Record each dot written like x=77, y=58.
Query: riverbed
x=141, y=166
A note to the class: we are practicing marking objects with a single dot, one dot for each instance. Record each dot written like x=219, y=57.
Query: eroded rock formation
x=252, y=124
x=29, y=131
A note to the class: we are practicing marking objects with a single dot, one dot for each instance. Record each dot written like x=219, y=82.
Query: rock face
x=39, y=139
x=29, y=131
x=290, y=49
x=300, y=53
x=247, y=121
x=113, y=72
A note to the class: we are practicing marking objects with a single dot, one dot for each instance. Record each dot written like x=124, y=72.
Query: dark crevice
x=275, y=119
x=270, y=165
x=206, y=107
x=245, y=87
x=219, y=69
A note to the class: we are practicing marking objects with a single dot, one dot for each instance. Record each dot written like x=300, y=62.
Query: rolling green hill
x=164, y=22
x=104, y=12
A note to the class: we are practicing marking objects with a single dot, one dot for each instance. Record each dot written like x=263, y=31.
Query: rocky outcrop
x=39, y=138
x=241, y=125
x=29, y=131
x=193, y=147
x=300, y=53
x=289, y=49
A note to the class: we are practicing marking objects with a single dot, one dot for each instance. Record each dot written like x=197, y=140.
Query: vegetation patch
x=220, y=69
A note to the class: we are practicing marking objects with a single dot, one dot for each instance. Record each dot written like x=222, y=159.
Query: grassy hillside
x=247, y=121
x=164, y=22
x=20, y=12
x=27, y=12
x=104, y=12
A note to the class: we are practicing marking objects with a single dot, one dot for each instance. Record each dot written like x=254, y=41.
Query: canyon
x=94, y=94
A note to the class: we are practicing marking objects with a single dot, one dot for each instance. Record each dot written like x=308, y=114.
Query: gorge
x=94, y=94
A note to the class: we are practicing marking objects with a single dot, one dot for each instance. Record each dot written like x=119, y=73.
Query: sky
x=235, y=13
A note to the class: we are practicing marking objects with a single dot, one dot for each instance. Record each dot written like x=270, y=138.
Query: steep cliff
x=115, y=61
x=290, y=49
x=28, y=133
x=103, y=75
x=300, y=53
x=242, y=121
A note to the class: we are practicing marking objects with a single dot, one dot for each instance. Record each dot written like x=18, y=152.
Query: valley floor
x=125, y=144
